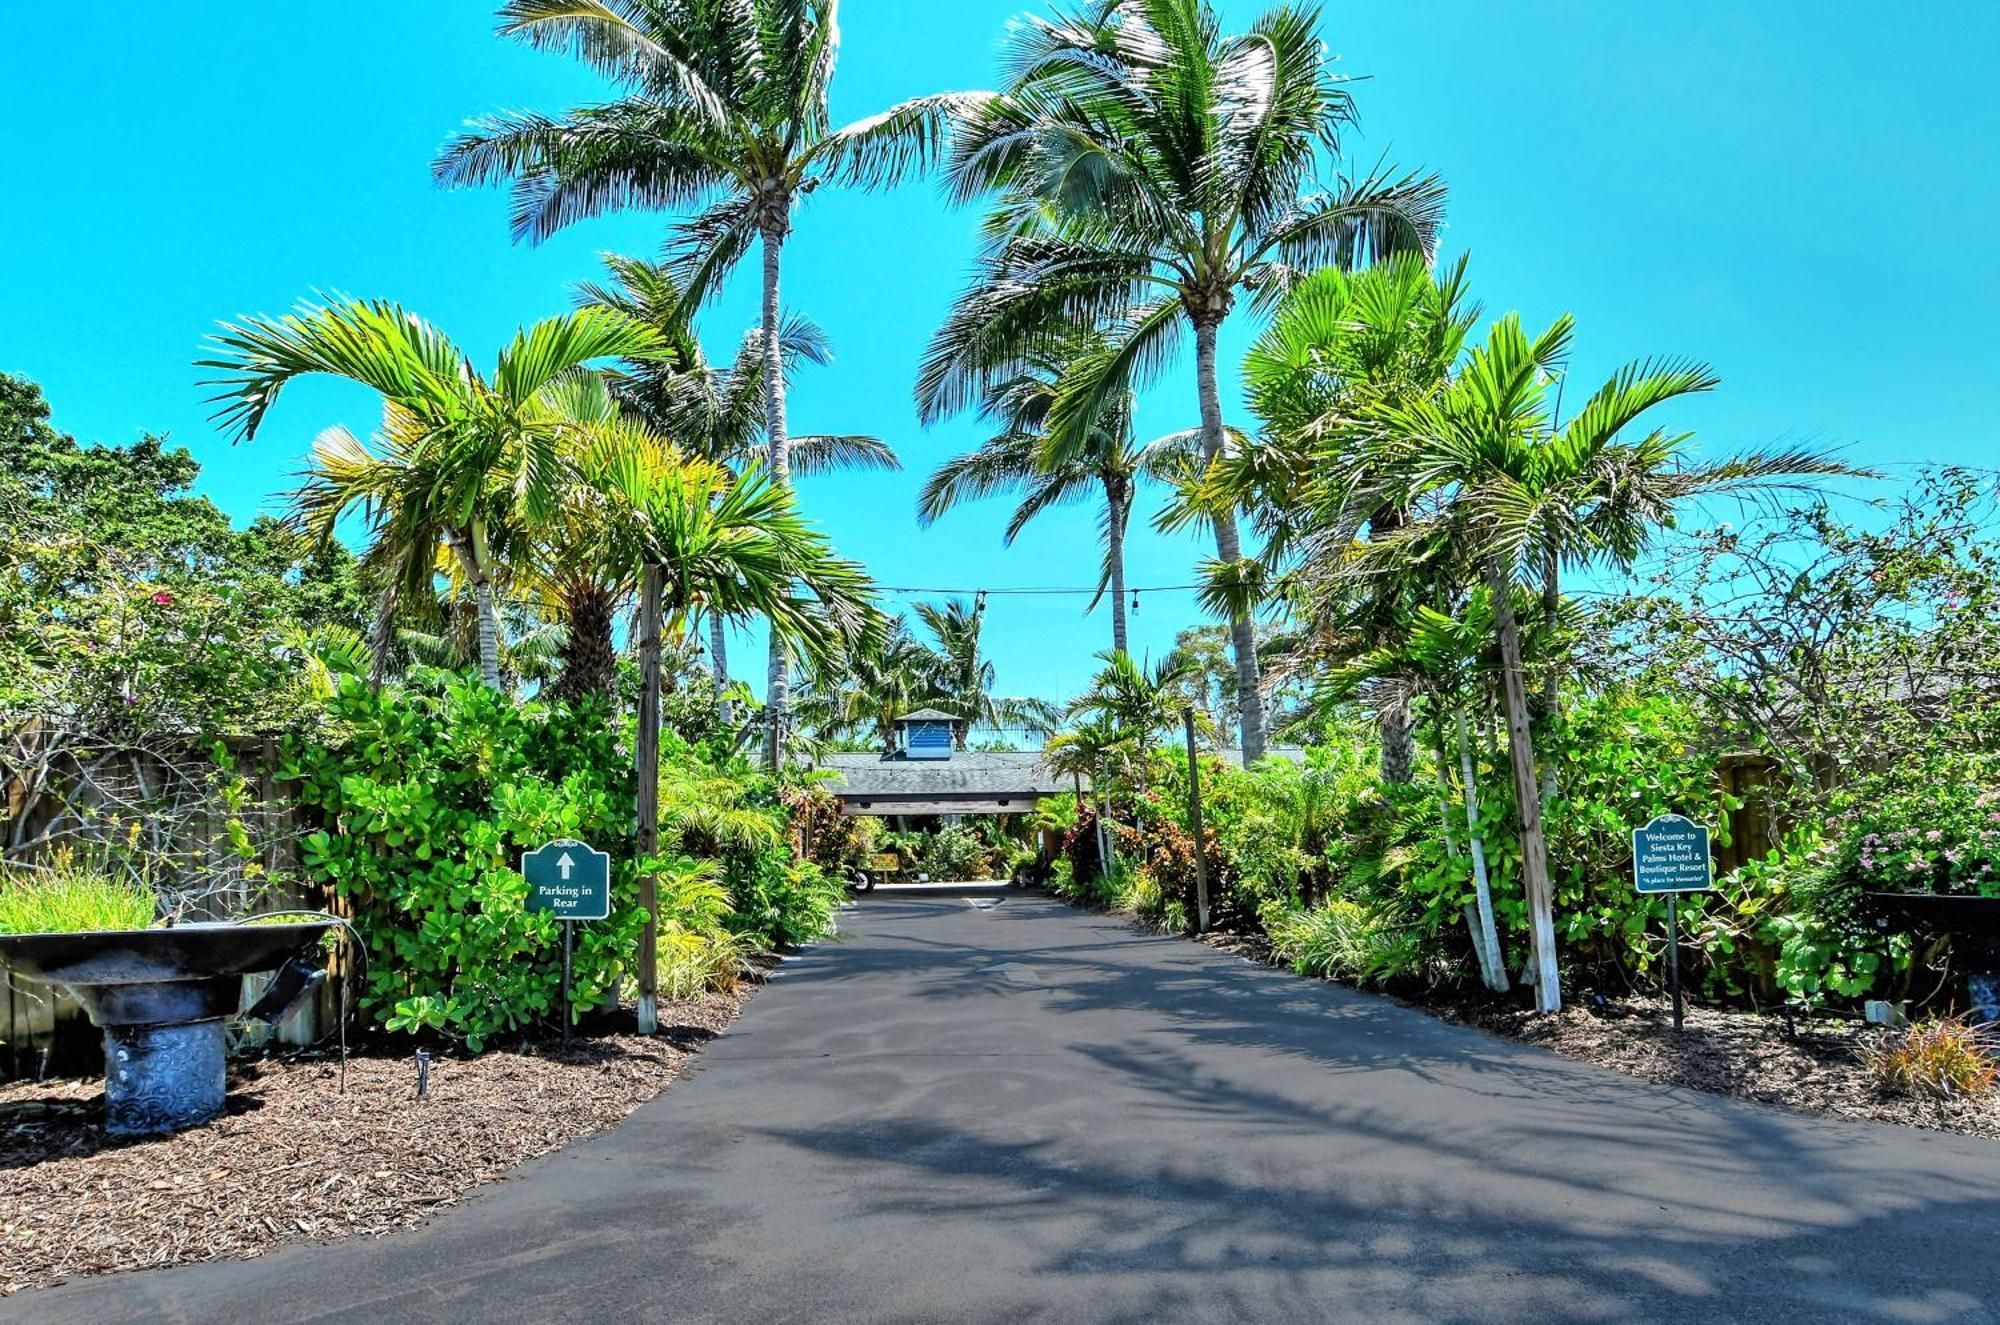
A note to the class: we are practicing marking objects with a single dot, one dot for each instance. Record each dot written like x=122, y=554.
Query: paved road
x=1025, y=1114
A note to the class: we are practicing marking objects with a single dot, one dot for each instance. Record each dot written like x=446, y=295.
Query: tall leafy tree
x=1148, y=170
x=710, y=409
x=461, y=462
x=1017, y=459
x=721, y=114
x=1497, y=488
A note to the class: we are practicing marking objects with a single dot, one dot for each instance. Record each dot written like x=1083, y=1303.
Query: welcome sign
x=1670, y=855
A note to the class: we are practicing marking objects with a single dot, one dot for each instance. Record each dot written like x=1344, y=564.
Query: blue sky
x=1802, y=194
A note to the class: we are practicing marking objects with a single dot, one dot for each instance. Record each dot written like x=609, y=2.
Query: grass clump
x=70, y=895
x=1342, y=940
x=1938, y=1058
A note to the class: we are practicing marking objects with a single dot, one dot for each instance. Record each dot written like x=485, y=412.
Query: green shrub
x=781, y=903
x=426, y=799
x=1343, y=940
x=68, y=894
x=953, y=852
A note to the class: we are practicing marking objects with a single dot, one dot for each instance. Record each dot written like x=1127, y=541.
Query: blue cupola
x=925, y=734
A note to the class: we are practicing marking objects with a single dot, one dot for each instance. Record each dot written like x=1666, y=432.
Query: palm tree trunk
x=1528, y=795
x=589, y=657
x=1550, y=690
x=1397, y=732
x=1492, y=967
x=718, y=657
x=1229, y=550
x=777, y=679
x=383, y=639
x=1114, y=558
x=489, y=630
x=646, y=801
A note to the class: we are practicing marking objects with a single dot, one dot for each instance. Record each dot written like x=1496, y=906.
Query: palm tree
x=1510, y=498
x=1015, y=460
x=1341, y=347
x=460, y=461
x=710, y=410
x=1139, y=700
x=863, y=690
x=721, y=108
x=961, y=676
x=1148, y=171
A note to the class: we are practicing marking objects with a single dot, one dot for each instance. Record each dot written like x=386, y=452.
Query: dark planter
x=160, y=996
x=1976, y=919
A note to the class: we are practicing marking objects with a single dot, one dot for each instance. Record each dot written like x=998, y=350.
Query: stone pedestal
x=160, y=1079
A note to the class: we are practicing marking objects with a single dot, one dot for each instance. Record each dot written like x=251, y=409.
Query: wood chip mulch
x=1814, y=1067
x=294, y=1158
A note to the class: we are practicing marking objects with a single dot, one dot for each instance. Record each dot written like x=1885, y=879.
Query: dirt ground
x=297, y=1157
x=1814, y=1066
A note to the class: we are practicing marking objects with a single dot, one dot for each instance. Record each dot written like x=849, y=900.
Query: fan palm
x=713, y=411
x=460, y=461
x=1509, y=497
x=1016, y=460
x=1148, y=171
x=721, y=108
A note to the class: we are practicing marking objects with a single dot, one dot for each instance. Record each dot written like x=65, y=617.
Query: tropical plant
x=961, y=676
x=1510, y=498
x=714, y=411
x=720, y=108
x=460, y=462
x=1016, y=459
x=1136, y=698
x=1148, y=170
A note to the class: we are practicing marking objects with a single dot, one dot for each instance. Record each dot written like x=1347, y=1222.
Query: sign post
x=1670, y=855
x=572, y=882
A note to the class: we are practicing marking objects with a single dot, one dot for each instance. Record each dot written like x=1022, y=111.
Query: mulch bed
x=1814, y=1067
x=295, y=1158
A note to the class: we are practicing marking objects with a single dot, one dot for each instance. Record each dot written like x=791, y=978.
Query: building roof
x=929, y=715
x=980, y=773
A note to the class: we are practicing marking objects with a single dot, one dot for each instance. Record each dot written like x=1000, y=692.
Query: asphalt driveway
x=1014, y=1112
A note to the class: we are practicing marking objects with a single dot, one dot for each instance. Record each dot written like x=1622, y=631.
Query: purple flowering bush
x=1931, y=828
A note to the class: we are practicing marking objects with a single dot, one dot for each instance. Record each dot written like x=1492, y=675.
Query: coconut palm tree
x=460, y=461
x=711, y=410
x=961, y=677
x=1511, y=499
x=722, y=112
x=862, y=691
x=1148, y=171
x=1015, y=459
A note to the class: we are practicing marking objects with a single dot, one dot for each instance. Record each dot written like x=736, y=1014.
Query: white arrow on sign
x=565, y=864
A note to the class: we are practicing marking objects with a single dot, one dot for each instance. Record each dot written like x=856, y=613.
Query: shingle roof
x=929, y=715
x=966, y=773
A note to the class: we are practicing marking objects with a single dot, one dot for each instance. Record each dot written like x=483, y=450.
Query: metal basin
x=160, y=996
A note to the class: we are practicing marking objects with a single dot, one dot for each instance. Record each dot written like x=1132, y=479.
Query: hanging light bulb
x=1135, y=602
x=979, y=601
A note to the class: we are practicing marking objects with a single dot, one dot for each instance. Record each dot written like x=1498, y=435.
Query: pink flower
x=1934, y=835
x=163, y=598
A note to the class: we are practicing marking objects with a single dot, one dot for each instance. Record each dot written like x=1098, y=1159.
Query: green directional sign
x=1670, y=855
x=569, y=880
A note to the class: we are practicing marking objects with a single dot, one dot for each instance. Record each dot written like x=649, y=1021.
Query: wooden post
x=647, y=768
x=1195, y=828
